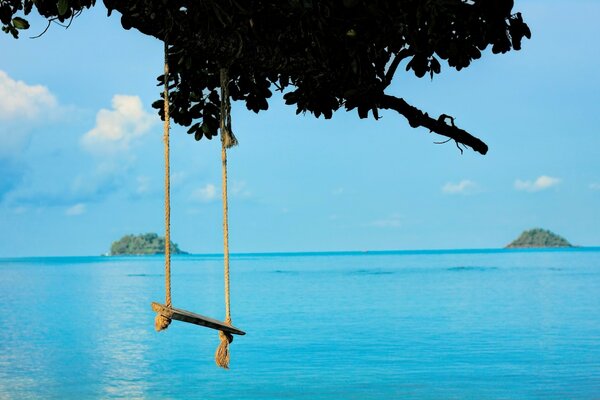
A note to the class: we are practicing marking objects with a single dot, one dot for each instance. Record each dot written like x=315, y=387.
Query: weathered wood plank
x=193, y=318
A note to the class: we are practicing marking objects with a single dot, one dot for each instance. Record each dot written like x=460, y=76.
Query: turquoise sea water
x=492, y=324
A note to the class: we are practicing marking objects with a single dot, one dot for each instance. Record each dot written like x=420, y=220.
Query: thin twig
x=44, y=31
x=444, y=142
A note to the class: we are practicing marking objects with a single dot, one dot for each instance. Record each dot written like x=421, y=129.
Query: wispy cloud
x=206, y=193
x=542, y=183
x=239, y=189
x=338, y=191
x=82, y=190
x=393, y=221
x=211, y=192
x=143, y=185
x=178, y=178
x=463, y=187
x=20, y=210
x=595, y=186
x=75, y=210
x=118, y=128
x=11, y=175
x=103, y=179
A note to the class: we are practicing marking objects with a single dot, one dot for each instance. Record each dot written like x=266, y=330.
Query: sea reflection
x=120, y=342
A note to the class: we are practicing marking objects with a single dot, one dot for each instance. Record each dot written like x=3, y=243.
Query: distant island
x=144, y=244
x=539, y=238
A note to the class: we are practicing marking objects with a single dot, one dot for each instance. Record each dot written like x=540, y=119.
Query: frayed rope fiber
x=161, y=322
x=222, y=353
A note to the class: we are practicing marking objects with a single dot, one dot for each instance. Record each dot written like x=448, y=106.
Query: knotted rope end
x=222, y=353
x=161, y=322
x=229, y=139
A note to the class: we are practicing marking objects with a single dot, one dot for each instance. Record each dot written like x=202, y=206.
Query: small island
x=144, y=244
x=539, y=238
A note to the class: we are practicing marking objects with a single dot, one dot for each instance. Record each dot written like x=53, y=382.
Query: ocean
x=468, y=324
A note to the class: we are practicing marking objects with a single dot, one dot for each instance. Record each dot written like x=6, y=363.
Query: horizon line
x=332, y=252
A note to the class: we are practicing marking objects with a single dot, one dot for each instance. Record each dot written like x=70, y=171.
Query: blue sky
x=81, y=151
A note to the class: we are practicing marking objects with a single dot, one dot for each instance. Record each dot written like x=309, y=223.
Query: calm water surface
x=398, y=325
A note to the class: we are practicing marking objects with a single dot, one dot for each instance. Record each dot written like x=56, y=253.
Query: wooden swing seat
x=193, y=318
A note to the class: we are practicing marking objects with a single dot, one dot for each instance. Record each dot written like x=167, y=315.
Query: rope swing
x=166, y=312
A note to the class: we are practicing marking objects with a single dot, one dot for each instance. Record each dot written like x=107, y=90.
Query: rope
x=161, y=322
x=227, y=137
x=227, y=140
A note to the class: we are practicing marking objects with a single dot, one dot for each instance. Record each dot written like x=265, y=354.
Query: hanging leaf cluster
x=61, y=11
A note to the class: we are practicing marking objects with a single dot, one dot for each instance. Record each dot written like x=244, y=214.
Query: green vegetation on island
x=539, y=238
x=144, y=244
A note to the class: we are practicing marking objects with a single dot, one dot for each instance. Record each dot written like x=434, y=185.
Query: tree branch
x=401, y=55
x=418, y=118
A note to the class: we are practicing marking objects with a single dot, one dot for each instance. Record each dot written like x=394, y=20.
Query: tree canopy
x=322, y=54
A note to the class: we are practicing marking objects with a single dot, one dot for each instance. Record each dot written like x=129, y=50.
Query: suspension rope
x=161, y=322
x=228, y=140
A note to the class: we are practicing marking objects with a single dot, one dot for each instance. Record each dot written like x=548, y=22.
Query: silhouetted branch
x=418, y=118
x=389, y=75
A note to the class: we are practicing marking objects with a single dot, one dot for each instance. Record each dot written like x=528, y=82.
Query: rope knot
x=222, y=353
x=161, y=322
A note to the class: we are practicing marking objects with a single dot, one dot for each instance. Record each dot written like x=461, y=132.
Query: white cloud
x=463, y=187
x=75, y=210
x=393, y=221
x=21, y=107
x=595, y=186
x=20, y=100
x=116, y=129
x=206, y=194
x=541, y=183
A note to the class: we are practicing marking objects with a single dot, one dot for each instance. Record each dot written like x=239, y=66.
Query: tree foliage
x=322, y=54
x=61, y=11
x=144, y=244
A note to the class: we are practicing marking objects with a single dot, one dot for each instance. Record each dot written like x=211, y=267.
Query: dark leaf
x=20, y=23
x=62, y=7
